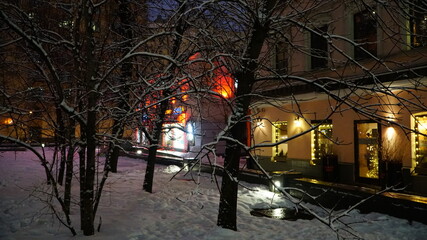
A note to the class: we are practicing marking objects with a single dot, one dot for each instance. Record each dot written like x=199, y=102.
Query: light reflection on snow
x=277, y=213
x=172, y=169
x=264, y=193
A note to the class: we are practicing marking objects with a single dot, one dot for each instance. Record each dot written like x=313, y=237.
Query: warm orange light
x=185, y=98
x=224, y=82
x=169, y=111
x=224, y=93
x=8, y=121
x=225, y=86
x=181, y=118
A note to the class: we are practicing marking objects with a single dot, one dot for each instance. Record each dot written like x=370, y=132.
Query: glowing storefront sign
x=174, y=136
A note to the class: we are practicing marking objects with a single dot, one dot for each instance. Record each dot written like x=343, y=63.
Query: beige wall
x=343, y=125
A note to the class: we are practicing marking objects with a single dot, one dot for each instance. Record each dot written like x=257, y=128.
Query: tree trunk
x=69, y=165
x=88, y=191
x=90, y=171
x=82, y=176
x=245, y=79
x=60, y=140
x=149, y=171
x=229, y=186
x=154, y=144
x=113, y=148
x=90, y=80
x=114, y=159
x=61, y=172
x=180, y=27
x=126, y=21
x=68, y=179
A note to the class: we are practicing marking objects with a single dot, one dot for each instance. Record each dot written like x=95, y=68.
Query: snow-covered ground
x=178, y=209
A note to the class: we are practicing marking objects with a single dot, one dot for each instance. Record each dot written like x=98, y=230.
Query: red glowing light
x=224, y=83
x=194, y=56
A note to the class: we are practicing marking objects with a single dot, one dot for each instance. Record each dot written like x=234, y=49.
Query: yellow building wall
x=394, y=137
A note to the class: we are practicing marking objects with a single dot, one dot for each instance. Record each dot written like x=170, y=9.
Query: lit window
x=321, y=143
x=365, y=34
x=223, y=82
x=280, y=133
x=421, y=140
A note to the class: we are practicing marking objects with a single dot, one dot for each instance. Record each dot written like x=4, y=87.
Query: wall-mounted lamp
x=390, y=133
x=297, y=122
x=259, y=123
x=391, y=118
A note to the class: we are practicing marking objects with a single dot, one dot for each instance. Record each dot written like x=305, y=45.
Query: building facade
x=359, y=115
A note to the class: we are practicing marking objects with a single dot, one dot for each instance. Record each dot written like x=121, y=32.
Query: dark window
x=319, y=48
x=418, y=24
x=64, y=76
x=365, y=34
x=281, y=58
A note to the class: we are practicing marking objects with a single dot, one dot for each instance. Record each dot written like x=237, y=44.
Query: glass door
x=367, y=155
x=280, y=132
x=421, y=144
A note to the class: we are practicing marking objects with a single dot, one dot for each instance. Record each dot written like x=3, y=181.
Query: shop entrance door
x=367, y=154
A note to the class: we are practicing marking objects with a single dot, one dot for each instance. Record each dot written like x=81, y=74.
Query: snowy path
x=178, y=209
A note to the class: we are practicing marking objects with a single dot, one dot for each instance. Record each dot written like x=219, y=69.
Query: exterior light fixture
x=297, y=122
x=390, y=133
x=190, y=132
x=277, y=181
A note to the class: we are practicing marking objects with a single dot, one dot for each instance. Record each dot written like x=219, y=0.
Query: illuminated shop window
x=321, y=143
x=418, y=23
x=280, y=132
x=173, y=136
x=421, y=140
x=367, y=148
x=223, y=82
